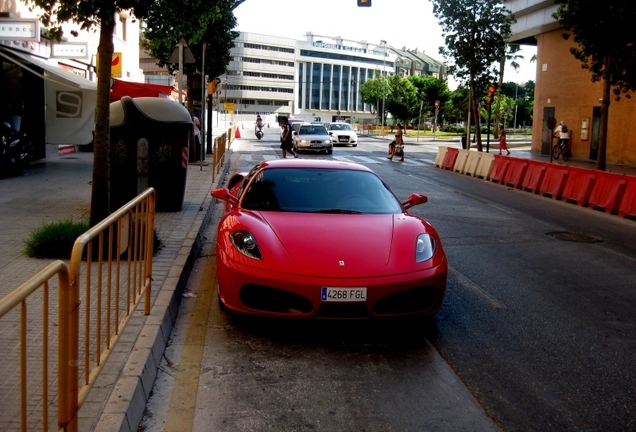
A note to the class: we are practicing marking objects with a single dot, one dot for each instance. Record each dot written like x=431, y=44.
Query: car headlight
x=246, y=244
x=424, y=247
x=327, y=141
x=304, y=141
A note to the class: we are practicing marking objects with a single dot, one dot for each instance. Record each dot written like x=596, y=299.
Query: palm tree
x=511, y=56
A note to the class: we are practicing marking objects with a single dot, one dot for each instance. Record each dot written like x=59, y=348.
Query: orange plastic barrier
x=554, y=180
x=607, y=192
x=441, y=154
x=627, y=209
x=578, y=186
x=534, y=176
x=450, y=158
x=516, y=172
x=500, y=168
x=237, y=133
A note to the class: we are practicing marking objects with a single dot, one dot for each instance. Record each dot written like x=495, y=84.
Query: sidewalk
x=59, y=189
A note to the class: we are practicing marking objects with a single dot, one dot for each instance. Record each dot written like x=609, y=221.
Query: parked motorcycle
x=15, y=148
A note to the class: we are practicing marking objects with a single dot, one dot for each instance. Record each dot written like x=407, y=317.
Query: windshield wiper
x=338, y=211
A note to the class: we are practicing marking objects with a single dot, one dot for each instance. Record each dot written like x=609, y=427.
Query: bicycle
x=561, y=148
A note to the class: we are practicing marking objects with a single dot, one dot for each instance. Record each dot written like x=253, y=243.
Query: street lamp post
x=514, y=125
x=383, y=42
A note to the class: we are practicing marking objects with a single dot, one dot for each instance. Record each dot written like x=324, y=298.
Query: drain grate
x=574, y=237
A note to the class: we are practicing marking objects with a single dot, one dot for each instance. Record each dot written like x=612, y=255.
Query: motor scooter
x=259, y=131
x=15, y=148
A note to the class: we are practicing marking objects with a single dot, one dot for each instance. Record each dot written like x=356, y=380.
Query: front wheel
x=555, y=151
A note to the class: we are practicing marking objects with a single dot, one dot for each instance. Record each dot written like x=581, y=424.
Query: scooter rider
x=259, y=123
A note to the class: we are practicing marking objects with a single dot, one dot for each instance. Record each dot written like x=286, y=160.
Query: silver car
x=312, y=137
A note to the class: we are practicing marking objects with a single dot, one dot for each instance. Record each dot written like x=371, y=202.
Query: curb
x=126, y=403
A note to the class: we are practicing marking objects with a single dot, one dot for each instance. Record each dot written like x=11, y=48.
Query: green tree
x=402, y=99
x=374, y=92
x=199, y=23
x=90, y=14
x=606, y=48
x=429, y=90
x=475, y=33
x=456, y=108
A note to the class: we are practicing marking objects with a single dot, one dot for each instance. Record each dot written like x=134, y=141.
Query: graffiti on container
x=164, y=152
x=120, y=151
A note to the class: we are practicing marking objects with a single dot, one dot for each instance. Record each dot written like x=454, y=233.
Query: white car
x=343, y=134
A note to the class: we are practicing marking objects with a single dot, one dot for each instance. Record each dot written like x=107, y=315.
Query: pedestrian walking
x=503, y=145
x=286, y=139
x=397, y=145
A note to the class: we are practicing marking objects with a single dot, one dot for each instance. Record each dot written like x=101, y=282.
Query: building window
x=326, y=91
x=300, y=86
x=315, y=86
x=335, y=88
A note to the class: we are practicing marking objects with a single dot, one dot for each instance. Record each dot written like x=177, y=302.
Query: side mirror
x=225, y=195
x=331, y=133
x=413, y=200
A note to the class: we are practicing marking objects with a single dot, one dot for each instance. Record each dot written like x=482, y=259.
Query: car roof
x=313, y=163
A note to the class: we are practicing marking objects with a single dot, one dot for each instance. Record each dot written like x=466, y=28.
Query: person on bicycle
x=563, y=134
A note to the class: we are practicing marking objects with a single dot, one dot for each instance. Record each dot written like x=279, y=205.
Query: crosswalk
x=364, y=160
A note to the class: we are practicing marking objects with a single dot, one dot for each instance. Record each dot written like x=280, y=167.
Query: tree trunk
x=476, y=116
x=190, y=107
x=602, y=140
x=502, y=67
x=470, y=101
x=100, y=192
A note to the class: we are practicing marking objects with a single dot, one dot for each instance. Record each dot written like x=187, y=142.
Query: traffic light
x=491, y=92
x=364, y=3
x=212, y=86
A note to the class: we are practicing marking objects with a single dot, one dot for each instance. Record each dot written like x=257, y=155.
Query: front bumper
x=262, y=292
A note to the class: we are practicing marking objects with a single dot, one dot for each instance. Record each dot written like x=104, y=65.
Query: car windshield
x=312, y=130
x=320, y=190
x=340, y=127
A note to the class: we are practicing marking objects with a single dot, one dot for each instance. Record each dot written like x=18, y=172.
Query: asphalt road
x=537, y=333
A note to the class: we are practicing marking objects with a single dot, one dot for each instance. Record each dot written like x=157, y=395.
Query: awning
x=120, y=89
x=51, y=72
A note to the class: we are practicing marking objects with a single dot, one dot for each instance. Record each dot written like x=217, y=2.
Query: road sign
x=228, y=106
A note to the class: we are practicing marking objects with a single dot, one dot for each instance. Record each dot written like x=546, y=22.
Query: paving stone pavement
x=59, y=189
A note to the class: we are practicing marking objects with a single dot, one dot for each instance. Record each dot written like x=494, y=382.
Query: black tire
x=329, y=151
x=556, y=151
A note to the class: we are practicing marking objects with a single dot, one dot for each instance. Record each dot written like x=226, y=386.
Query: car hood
x=343, y=132
x=314, y=137
x=335, y=241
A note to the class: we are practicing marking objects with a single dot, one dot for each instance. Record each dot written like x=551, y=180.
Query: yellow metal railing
x=221, y=145
x=19, y=297
x=109, y=272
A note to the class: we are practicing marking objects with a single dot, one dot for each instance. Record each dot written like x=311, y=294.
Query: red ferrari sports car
x=324, y=239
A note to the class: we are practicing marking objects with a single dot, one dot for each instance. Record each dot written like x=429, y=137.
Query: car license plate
x=329, y=294
x=343, y=139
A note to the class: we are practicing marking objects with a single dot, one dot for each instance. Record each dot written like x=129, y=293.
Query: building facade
x=565, y=91
x=315, y=78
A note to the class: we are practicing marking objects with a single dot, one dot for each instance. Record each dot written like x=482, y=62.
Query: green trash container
x=149, y=141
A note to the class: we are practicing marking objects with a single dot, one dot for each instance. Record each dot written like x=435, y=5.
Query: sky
x=402, y=23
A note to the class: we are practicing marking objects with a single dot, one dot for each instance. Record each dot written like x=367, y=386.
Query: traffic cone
x=237, y=134
x=267, y=125
x=242, y=126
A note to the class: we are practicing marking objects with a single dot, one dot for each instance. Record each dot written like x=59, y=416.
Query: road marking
x=184, y=395
x=472, y=286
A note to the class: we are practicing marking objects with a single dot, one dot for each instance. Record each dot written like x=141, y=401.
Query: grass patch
x=54, y=240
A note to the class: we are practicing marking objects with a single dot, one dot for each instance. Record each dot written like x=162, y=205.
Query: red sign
x=436, y=104
x=64, y=150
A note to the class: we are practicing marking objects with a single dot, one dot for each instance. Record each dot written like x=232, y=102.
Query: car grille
x=420, y=299
x=264, y=298
x=343, y=139
x=351, y=311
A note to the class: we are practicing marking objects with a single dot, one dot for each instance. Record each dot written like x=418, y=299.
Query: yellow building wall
x=562, y=83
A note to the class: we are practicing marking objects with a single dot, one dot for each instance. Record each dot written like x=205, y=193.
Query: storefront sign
x=20, y=29
x=338, y=47
x=70, y=50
